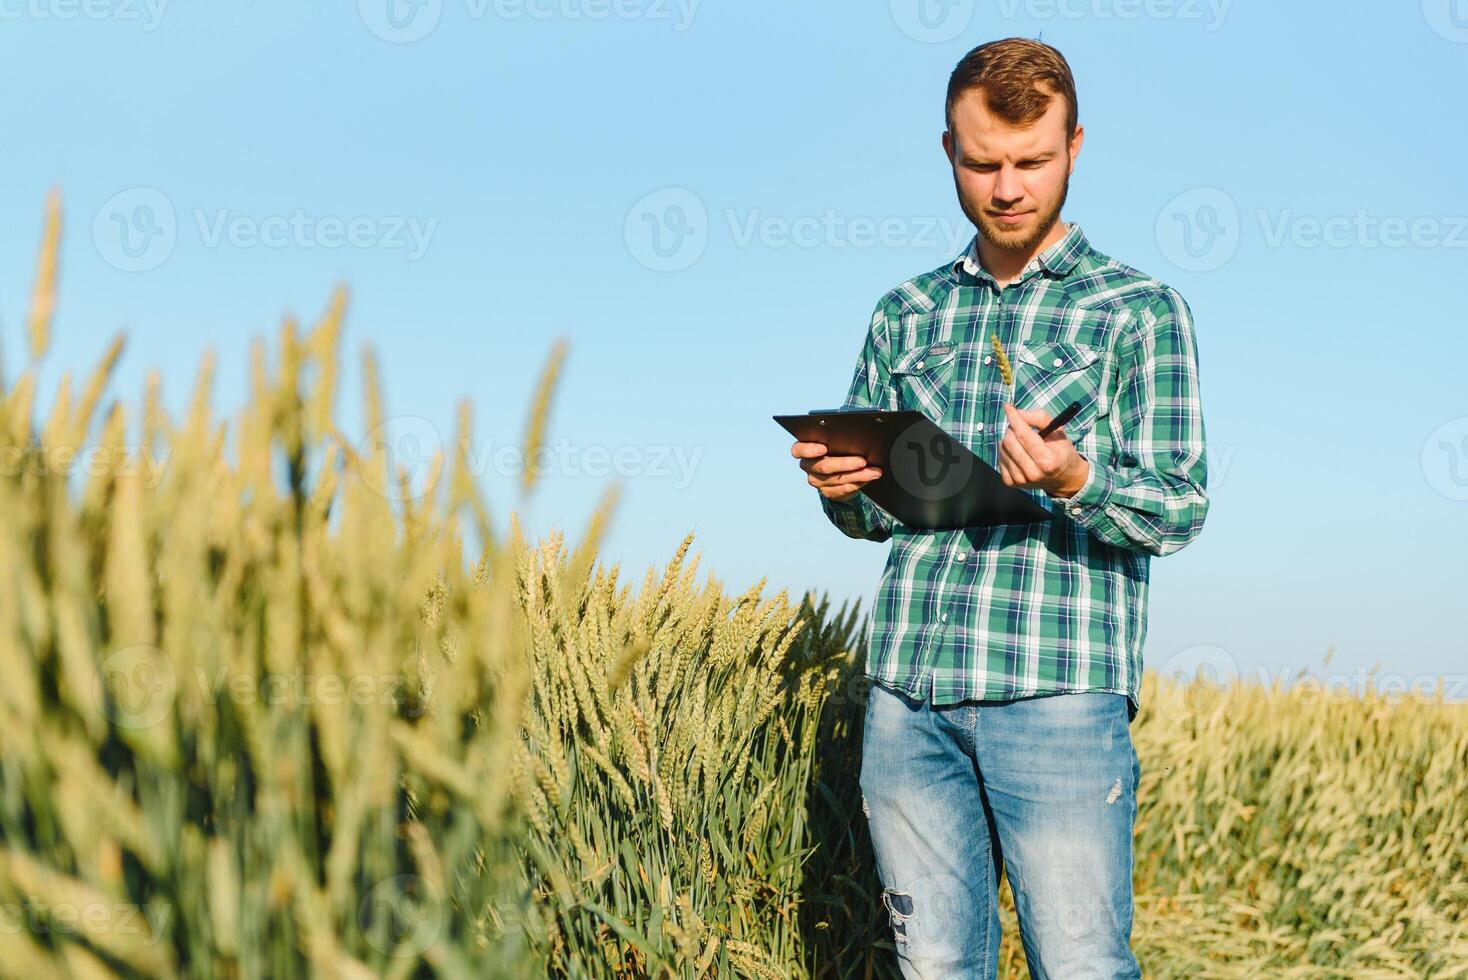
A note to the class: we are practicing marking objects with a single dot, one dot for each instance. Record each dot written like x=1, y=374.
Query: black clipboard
x=930, y=480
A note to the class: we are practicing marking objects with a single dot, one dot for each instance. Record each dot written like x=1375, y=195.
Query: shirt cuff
x=857, y=515
x=1093, y=494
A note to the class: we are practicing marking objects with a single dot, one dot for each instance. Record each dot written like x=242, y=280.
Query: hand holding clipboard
x=910, y=467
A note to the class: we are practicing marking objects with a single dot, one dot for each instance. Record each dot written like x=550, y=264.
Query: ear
x=948, y=145
x=1075, y=145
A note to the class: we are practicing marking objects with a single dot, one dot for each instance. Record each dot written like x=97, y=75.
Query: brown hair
x=1018, y=77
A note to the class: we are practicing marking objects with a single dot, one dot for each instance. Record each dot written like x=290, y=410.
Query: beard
x=1022, y=238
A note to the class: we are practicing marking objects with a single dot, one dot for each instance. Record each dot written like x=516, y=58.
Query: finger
x=832, y=465
x=1034, y=416
x=1019, y=424
x=807, y=449
x=1024, y=465
x=1006, y=461
x=840, y=489
x=1011, y=450
x=829, y=465
x=1044, y=454
x=839, y=480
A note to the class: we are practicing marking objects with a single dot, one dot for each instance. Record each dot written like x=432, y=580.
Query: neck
x=1005, y=264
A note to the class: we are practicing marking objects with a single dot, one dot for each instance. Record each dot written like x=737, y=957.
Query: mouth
x=1009, y=217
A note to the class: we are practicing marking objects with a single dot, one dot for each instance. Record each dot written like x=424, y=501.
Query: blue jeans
x=1044, y=788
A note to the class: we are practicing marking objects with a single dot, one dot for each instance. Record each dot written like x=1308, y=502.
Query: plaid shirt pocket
x=1051, y=375
x=923, y=378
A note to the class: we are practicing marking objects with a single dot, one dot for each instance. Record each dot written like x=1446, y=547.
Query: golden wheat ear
x=1004, y=369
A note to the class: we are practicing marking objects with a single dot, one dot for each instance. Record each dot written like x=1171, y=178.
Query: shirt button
x=979, y=426
x=945, y=617
x=959, y=556
x=919, y=365
x=1075, y=510
x=988, y=358
x=1057, y=362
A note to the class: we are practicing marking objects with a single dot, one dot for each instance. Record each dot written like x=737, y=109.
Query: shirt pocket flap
x=924, y=357
x=1058, y=356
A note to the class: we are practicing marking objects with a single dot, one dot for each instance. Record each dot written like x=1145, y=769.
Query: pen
x=1061, y=419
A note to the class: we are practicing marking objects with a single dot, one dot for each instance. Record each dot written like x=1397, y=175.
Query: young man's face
x=1011, y=182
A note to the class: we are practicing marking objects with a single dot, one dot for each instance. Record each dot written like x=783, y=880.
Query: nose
x=1008, y=189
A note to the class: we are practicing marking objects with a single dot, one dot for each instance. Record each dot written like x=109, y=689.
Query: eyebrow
x=1044, y=155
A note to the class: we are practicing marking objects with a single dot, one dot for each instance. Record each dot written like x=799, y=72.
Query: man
x=1007, y=660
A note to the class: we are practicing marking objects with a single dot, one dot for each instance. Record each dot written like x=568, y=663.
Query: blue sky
x=706, y=199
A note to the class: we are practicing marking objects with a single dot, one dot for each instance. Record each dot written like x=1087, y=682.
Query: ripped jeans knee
x=899, y=910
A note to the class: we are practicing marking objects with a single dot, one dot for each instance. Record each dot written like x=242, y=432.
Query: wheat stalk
x=1005, y=370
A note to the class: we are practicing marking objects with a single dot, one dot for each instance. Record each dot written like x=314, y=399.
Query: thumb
x=1033, y=416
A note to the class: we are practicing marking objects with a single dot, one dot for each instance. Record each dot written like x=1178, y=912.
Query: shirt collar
x=1059, y=259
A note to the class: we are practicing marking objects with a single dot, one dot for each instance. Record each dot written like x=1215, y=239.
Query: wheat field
x=267, y=713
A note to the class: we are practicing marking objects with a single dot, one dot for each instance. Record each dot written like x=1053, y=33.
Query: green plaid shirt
x=1059, y=605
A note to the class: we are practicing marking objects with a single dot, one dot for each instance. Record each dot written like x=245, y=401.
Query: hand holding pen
x=1042, y=460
